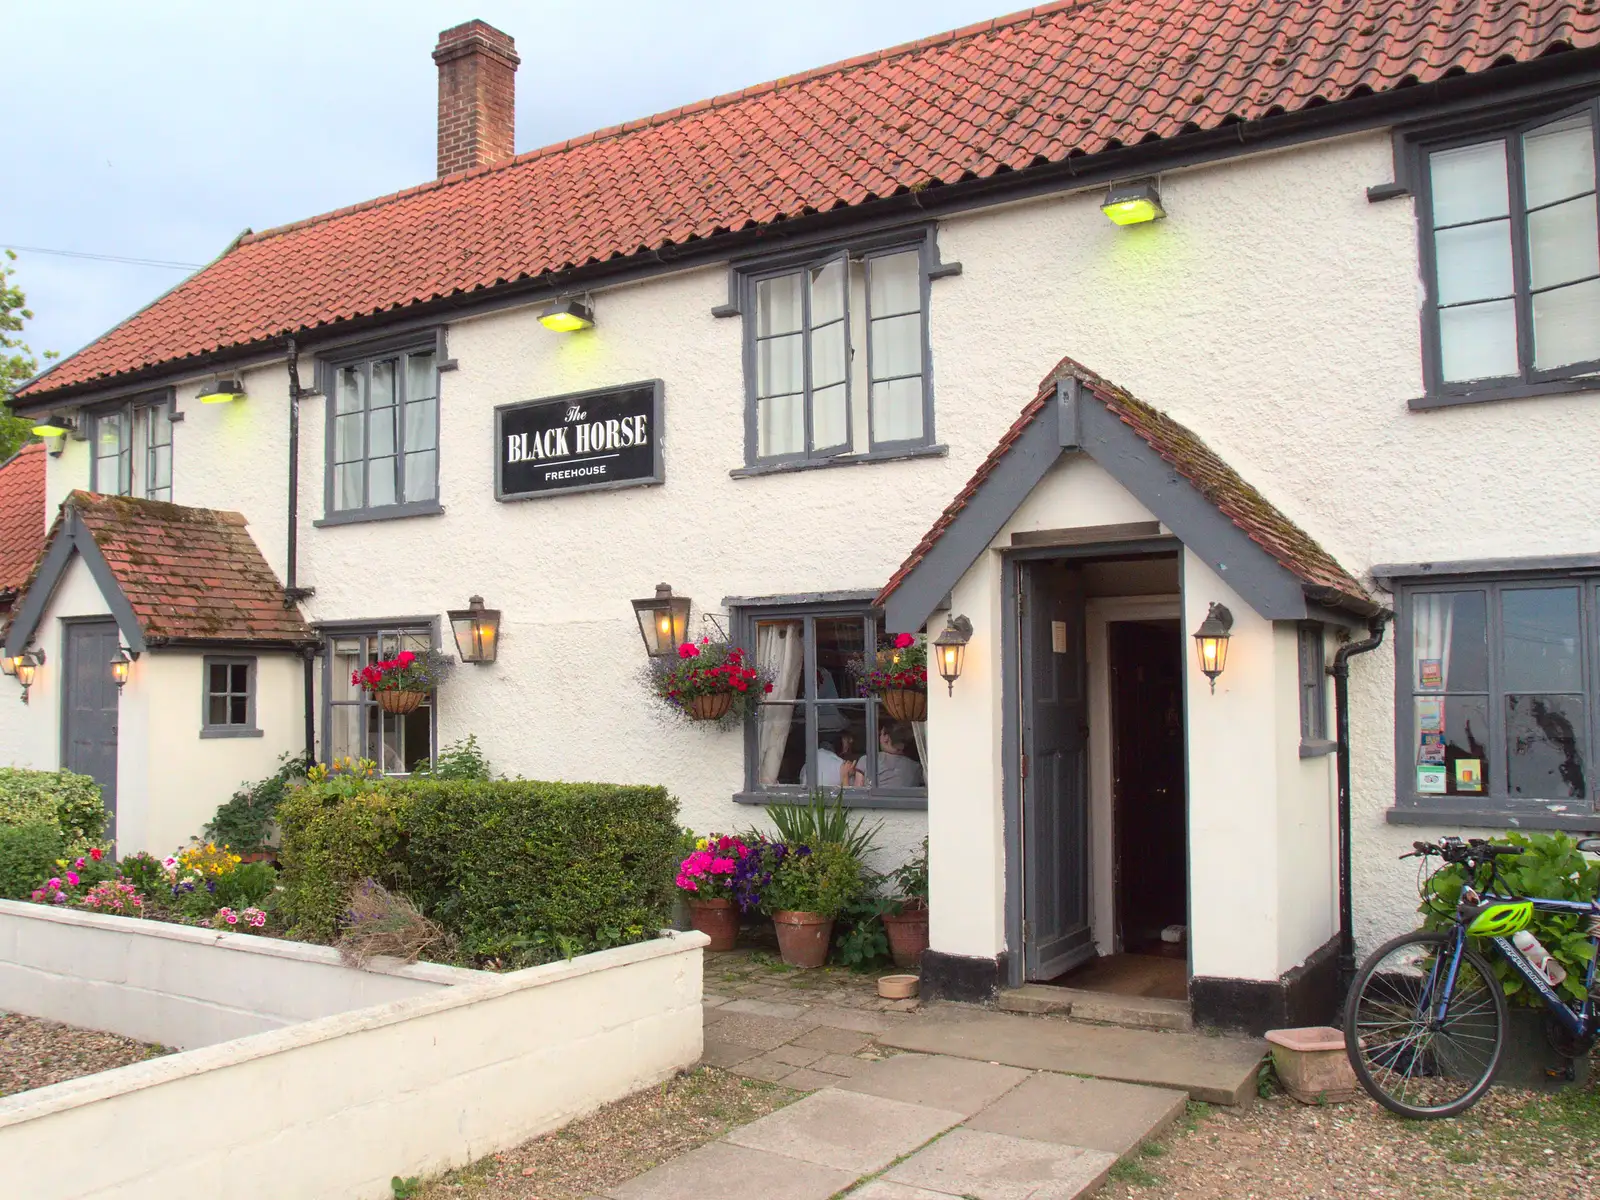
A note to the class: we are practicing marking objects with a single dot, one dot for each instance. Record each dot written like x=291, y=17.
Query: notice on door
x=581, y=442
x=1058, y=637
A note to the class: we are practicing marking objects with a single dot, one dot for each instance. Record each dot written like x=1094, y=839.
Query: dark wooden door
x=89, y=717
x=1056, y=935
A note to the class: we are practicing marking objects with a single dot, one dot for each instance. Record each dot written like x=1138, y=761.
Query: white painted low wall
x=184, y=987
x=333, y=1108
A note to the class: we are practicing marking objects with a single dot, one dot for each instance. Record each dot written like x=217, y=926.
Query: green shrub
x=145, y=872
x=332, y=834
x=246, y=886
x=819, y=822
x=69, y=802
x=28, y=855
x=823, y=880
x=458, y=760
x=243, y=823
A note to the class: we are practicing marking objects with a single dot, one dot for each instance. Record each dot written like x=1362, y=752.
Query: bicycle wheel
x=1409, y=1060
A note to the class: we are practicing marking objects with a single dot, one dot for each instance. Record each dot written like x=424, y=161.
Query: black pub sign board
x=582, y=442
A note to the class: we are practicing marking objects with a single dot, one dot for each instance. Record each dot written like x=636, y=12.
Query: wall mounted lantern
x=54, y=429
x=120, y=666
x=1133, y=203
x=951, y=648
x=224, y=389
x=8, y=663
x=568, y=315
x=26, y=665
x=477, y=631
x=663, y=621
x=1211, y=642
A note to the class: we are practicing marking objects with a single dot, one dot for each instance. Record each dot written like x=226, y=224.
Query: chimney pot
x=477, y=96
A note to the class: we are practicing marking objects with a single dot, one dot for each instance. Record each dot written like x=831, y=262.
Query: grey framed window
x=837, y=355
x=1497, y=683
x=383, y=433
x=815, y=729
x=1313, y=690
x=1511, y=256
x=228, y=706
x=131, y=448
x=354, y=726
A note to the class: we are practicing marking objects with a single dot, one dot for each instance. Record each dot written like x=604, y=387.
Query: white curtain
x=781, y=650
x=1433, y=624
x=919, y=731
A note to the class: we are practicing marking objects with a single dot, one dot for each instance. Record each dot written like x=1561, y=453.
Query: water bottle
x=1542, y=960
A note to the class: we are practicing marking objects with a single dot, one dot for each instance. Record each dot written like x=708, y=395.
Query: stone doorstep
x=1135, y=1012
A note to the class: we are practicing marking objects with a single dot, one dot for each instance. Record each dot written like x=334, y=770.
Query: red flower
x=688, y=650
x=902, y=640
x=407, y=658
x=96, y=854
x=767, y=688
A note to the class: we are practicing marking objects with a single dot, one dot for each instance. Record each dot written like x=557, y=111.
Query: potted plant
x=709, y=681
x=719, y=878
x=906, y=921
x=807, y=889
x=899, y=677
x=402, y=682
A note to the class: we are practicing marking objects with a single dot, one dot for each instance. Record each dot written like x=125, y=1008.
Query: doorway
x=89, y=706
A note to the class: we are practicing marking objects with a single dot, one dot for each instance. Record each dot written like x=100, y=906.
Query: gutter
x=1340, y=670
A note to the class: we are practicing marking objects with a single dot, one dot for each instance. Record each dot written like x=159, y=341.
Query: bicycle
x=1426, y=1018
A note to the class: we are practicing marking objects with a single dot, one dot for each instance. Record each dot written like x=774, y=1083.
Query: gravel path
x=35, y=1053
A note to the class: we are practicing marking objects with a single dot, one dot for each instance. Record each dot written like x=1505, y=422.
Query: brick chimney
x=477, y=96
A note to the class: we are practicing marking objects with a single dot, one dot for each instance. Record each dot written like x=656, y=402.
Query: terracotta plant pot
x=906, y=705
x=398, y=703
x=718, y=920
x=803, y=937
x=908, y=934
x=899, y=987
x=710, y=708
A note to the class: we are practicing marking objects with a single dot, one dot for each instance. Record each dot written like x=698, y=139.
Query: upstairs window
x=132, y=450
x=383, y=436
x=1512, y=256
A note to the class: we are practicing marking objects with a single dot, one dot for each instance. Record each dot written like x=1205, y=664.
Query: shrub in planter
x=28, y=854
x=808, y=889
x=824, y=820
x=907, y=919
x=69, y=802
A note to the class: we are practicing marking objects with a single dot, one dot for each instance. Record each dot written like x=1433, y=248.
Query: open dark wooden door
x=1055, y=801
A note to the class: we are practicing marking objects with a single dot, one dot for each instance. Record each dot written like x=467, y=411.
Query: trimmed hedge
x=517, y=870
x=28, y=855
x=68, y=802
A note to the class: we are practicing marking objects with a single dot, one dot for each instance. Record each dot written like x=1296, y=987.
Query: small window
x=1512, y=250
x=383, y=436
x=813, y=395
x=132, y=450
x=1313, y=688
x=354, y=725
x=111, y=469
x=230, y=698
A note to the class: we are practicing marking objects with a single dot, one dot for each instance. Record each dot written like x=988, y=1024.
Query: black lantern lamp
x=663, y=621
x=9, y=662
x=1211, y=642
x=951, y=649
x=223, y=389
x=477, y=631
x=26, y=665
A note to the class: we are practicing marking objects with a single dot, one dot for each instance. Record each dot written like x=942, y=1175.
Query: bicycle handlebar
x=1472, y=852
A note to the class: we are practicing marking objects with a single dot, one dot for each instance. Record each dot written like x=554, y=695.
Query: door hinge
x=1024, y=766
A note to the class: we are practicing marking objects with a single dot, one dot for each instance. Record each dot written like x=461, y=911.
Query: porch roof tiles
x=22, y=516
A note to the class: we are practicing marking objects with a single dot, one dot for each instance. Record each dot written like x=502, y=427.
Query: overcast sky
x=159, y=130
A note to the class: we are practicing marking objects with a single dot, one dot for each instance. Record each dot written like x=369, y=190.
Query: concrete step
x=1136, y=1012
x=1218, y=1070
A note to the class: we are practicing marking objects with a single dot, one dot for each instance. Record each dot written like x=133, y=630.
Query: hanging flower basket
x=904, y=704
x=898, y=675
x=712, y=707
x=398, y=703
x=404, y=681
x=708, y=682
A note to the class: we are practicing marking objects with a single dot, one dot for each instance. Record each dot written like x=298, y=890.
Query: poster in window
x=1469, y=775
x=1432, y=749
x=582, y=442
x=1430, y=673
x=1430, y=716
x=1431, y=780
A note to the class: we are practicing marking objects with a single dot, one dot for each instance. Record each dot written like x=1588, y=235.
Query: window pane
x=841, y=645
x=828, y=355
x=421, y=476
x=351, y=395
x=1450, y=741
x=347, y=445
x=897, y=346
x=382, y=384
x=421, y=427
x=1469, y=184
x=241, y=677
x=216, y=710
x=160, y=470
x=1566, y=325
x=780, y=650
x=344, y=739
x=780, y=426
x=1544, y=747
x=238, y=713
x=897, y=410
x=1562, y=243
x=1478, y=341
x=381, y=486
x=1558, y=160
x=1473, y=262
x=381, y=432
x=108, y=435
x=778, y=305
x=1539, y=640
x=830, y=418
x=1449, y=642
x=347, y=482
x=778, y=366
x=781, y=747
x=420, y=377
x=827, y=292
x=218, y=681
x=896, y=283
x=899, y=755
x=415, y=737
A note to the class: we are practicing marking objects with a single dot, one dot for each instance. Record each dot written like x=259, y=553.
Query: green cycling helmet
x=1499, y=920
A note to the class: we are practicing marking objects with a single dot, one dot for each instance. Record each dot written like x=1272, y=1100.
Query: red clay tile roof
x=1038, y=87
x=191, y=574
x=22, y=516
x=1294, y=549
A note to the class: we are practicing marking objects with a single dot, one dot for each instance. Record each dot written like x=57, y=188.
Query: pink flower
x=72, y=876
x=79, y=864
x=722, y=866
x=53, y=883
x=902, y=640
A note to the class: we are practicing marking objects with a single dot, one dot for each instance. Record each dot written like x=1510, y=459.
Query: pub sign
x=582, y=442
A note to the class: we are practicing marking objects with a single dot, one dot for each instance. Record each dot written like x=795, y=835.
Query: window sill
x=1491, y=818
x=1317, y=747
x=394, y=512
x=903, y=801
x=231, y=731
x=1506, y=391
x=843, y=460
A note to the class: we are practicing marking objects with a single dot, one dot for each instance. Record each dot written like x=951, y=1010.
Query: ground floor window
x=356, y=726
x=230, y=697
x=815, y=728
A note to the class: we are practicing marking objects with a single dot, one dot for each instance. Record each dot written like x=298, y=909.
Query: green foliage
x=407, y=1188
x=820, y=822
x=17, y=362
x=863, y=943
x=824, y=881
x=246, y=886
x=245, y=821
x=910, y=879
x=458, y=760
x=28, y=855
x=69, y=802
x=146, y=873
x=1550, y=867
x=333, y=834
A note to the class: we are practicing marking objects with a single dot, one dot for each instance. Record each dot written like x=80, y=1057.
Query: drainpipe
x=293, y=593
x=1340, y=670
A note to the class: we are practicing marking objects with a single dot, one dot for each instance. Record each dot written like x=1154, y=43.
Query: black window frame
x=1413, y=148
x=426, y=628
x=158, y=406
x=364, y=354
x=229, y=729
x=744, y=617
x=1311, y=642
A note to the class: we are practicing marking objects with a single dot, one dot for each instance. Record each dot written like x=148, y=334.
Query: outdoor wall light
x=26, y=665
x=1133, y=203
x=568, y=315
x=224, y=389
x=951, y=648
x=477, y=631
x=56, y=425
x=1211, y=642
x=120, y=666
x=663, y=621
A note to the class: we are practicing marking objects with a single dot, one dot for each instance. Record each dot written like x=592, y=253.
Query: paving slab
x=992, y=1166
x=710, y=1016
x=771, y=1176
x=882, y=1189
x=833, y=1041
x=795, y=1056
x=721, y=1053
x=805, y=1079
x=749, y=1029
x=858, y=1020
x=1218, y=1070
x=1095, y=1113
x=763, y=1068
x=843, y=1065
x=844, y=1131
x=937, y=1081
x=765, y=1008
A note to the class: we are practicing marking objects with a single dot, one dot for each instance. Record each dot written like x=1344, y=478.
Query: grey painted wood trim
x=389, y=512
x=1086, y=534
x=844, y=798
x=1317, y=747
x=1386, y=573
x=1010, y=764
x=248, y=729
x=839, y=460
x=787, y=599
x=73, y=536
x=1452, y=817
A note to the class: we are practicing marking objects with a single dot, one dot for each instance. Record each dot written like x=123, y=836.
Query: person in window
x=896, y=768
x=837, y=768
